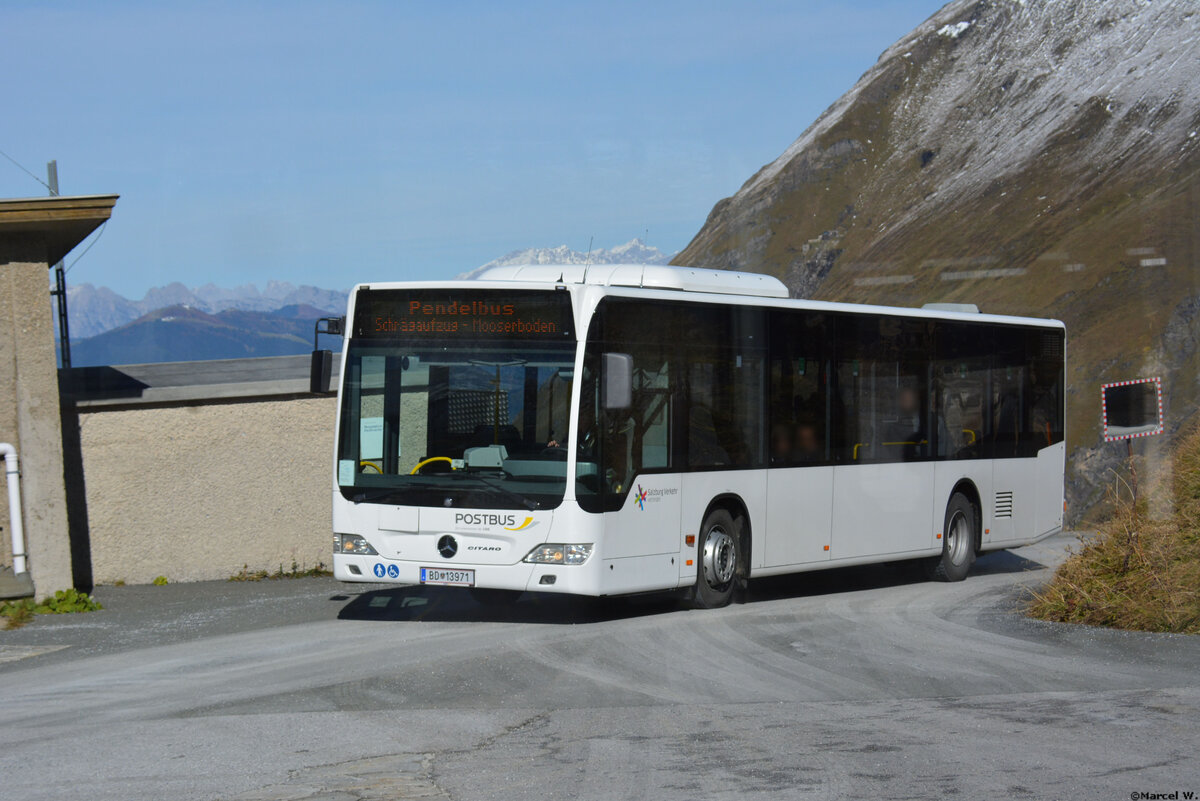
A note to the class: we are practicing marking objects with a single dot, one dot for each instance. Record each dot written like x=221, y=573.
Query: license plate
x=447, y=577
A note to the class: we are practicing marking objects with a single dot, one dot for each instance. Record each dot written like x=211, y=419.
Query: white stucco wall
x=197, y=492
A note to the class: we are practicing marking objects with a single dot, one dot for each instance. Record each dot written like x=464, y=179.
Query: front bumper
x=577, y=579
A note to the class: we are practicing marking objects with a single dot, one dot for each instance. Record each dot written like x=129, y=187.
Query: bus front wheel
x=720, y=552
x=958, y=541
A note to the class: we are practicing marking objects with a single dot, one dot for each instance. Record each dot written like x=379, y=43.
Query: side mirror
x=617, y=389
x=319, y=372
x=322, y=360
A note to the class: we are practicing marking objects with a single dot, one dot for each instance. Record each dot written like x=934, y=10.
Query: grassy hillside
x=1138, y=572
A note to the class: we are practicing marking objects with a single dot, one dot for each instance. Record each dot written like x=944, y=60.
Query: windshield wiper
x=496, y=489
x=377, y=495
x=507, y=493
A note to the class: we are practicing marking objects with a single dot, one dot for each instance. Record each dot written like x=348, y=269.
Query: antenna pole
x=60, y=280
x=588, y=261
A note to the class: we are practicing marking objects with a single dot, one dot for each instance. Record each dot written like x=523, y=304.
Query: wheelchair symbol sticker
x=393, y=571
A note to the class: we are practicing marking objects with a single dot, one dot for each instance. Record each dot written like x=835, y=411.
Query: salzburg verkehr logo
x=652, y=495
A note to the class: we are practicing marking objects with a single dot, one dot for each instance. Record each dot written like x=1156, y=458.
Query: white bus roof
x=705, y=281
x=644, y=276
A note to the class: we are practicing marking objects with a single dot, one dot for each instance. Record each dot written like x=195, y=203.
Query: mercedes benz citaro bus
x=624, y=429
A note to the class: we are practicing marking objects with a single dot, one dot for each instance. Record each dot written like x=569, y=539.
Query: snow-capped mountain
x=634, y=251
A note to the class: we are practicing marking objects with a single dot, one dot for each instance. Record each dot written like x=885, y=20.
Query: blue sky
x=327, y=143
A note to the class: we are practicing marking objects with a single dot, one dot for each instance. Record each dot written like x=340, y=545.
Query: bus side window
x=638, y=438
x=856, y=416
x=854, y=403
x=1010, y=395
x=1045, y=353
x=962, y=403
x=798, y=406
x=725, y=386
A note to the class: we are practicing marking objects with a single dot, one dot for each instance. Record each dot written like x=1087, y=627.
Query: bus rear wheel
x=721, y=557
x=958, y=541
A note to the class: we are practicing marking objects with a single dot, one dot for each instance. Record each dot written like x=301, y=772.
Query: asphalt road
x=858, y=683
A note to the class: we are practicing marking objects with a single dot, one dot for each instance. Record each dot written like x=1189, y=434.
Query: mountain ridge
x=185, y=333
x=178, y=323
x=94, y=310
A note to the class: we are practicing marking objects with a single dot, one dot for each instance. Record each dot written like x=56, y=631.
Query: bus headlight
x=560, y=554
x=352, y=544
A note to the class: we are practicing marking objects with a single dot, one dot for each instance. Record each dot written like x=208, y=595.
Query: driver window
x=370, y=416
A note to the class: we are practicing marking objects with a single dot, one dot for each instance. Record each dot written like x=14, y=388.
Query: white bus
x=625, y=429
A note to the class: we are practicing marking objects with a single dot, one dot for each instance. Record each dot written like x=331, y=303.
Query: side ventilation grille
x=1004, y=504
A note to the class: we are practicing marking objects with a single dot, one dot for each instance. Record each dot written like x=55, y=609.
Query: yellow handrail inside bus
x=972, y=433
x=367, y=463
x=424, y=462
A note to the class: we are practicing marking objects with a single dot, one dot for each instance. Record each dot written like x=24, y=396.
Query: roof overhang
x=47, y=228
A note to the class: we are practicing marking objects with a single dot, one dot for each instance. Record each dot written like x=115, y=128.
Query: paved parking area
x=856, y=683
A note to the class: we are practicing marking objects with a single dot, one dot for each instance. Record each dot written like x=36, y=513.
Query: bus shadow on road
x=874, y=577
x=438, y=604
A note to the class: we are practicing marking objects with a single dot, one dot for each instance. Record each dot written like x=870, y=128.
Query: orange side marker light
x=690, y=540
x=689, y=563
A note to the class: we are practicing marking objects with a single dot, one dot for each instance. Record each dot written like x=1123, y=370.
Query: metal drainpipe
x=14, y=507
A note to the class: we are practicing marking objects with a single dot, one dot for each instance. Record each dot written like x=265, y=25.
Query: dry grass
x=14, y=616
x=297, y=571
x=1137, y=573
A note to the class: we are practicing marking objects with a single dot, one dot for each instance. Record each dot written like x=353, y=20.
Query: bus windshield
x=473, y=421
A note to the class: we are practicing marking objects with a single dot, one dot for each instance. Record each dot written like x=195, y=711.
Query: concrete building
x=35, y=234
x=200, y=470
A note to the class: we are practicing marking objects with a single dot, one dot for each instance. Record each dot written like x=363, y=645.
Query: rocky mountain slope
x=1035, y=158
x=633, y=252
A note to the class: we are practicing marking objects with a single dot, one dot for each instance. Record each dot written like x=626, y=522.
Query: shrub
x=1137, y=573
x=18, y=613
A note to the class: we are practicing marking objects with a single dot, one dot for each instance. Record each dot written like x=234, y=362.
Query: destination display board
x=467, y=314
